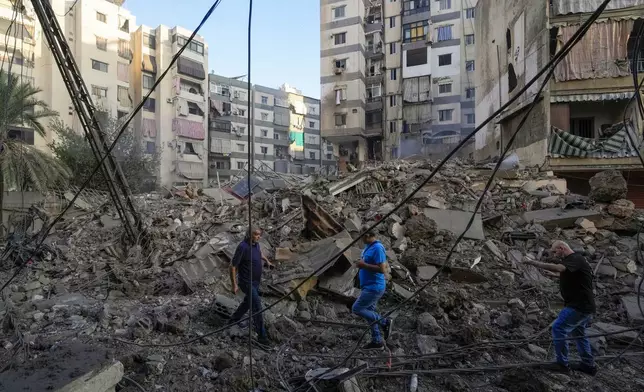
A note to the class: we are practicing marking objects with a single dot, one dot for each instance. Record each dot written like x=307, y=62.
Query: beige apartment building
x=396, y=76
x=174, y=119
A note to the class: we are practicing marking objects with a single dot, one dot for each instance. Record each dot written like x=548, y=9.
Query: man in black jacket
x=576, y=285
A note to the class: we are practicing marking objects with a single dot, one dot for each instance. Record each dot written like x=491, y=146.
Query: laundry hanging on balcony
x=564, y=144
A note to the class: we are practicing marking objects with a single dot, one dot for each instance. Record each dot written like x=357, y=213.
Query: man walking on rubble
x=247, y=262
x=576, y=285
x=373, y=266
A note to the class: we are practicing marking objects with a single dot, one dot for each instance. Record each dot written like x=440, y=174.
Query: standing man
x=247, y=263
x=373, y=266
x=576, y=285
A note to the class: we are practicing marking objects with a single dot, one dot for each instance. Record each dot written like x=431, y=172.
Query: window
x=340, y=38
x=120, y=114
x=241, y=112
x=264, y=116
x=469, y=39
x=470, y=93
x=392, y=100
x=193, y=108
x=101, y=43
x=393, y=126
x=329, y=156
x=99, y=91
x=101, y=17
x=341, y=63
x=150, y=105
x=276, y=136
x=393, y=74
x=469, y=65
x=470, y=13
x=189, y=149
x=340, y=119
x=193, y=46
x=416, y=57
x=392, y=22
x=241, y=148
x=124, y=49
x=264, y=132
x=411, y=7
x=445, y=88
x=241, y=95
x=584, y=127
x=148, y=80
x=444, y=59
x=470, y=118
x=150, y=148
x=241, y=165
x=445, y=115
x=123, y=95
x=264, y=150
x=444, y=33
x=241, y=130
x=373, y=91
x=415, y=31
x=340, y=95
x=264, y=100
x=392, y=48
x=338, y=12
x=444, y=4
x=311, y=124
x=311, y=154
x=149, y=41
x=124, y=24
x=99, y=65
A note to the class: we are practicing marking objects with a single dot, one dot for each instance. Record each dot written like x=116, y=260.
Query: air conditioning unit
x=339, y=71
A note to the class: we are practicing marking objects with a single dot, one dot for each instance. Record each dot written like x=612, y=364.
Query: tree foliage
x=138, y=166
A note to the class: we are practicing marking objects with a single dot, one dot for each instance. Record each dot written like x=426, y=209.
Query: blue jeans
x=365, y=307
x=254, y=301
x=574, y=323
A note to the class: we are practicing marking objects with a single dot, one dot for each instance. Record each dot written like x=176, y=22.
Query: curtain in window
x=149, y=127
x=123, y=72
x=444, y=33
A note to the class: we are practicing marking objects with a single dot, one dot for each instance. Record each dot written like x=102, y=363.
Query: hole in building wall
x=508, y=40
x=512, y=78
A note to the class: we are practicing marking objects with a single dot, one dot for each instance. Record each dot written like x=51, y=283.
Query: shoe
x=374, y=346
x=386, y=329
x=558, y=367
x=582, y=367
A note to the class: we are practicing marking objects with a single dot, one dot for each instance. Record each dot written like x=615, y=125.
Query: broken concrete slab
x=221, y=196
x=550, y=201
x=622, y=338
x=400, y=291
x=109, y=223
x=426, y=272
x=466, y=275
x=587, y=225
x=491, y=246
x=102, y=380
x=317, y=222
x=456, y=222
x=346, y=184
x=632, y=309
x=283, y=254
x=557, y=184
x=556, y=217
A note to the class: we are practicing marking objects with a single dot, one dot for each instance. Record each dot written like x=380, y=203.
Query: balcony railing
x=416, y=10
x=374, y=99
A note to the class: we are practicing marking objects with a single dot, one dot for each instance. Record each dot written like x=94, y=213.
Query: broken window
x=341, y=64
x=124, y=24
x=340, y=119
x=193, y=108
x=189, y=149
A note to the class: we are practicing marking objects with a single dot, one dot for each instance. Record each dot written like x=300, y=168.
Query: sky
x=285, y=45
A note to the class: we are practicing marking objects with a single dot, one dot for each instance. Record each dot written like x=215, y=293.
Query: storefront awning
x=149, y=63
x=188, y=129
x=591, y=97
x=190, y=170
x=191, y=68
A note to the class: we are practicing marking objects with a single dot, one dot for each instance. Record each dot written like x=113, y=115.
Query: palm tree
x=22, y=166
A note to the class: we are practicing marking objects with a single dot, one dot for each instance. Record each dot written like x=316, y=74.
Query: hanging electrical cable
x=124, y=127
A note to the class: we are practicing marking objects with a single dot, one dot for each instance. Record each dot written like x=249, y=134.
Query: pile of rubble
x=172, y=286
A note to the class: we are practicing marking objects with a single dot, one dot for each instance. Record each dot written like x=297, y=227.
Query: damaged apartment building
x=396, y=76
x=582, y=122
x=286, y=128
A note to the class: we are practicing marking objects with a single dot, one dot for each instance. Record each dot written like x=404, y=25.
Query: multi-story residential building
x=286, y=129
x=396, y=76
x=580, y=124
x=174, y=119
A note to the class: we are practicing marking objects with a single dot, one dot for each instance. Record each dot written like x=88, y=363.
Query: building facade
x=174, y=119
x=397, y=76
x=581, y=122
x=286, y=130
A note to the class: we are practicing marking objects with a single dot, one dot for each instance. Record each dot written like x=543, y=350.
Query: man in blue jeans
x=247, y=265
x=576, y=285
x=373, y=266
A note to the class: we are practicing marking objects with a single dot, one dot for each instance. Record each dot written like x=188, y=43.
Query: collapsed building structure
x=112, y=310
x=581, y=125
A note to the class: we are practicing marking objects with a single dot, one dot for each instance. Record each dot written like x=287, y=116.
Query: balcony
x=373, y=103
x=374, y=78
x=373, y=129
x=374, y=51
x=373, y=23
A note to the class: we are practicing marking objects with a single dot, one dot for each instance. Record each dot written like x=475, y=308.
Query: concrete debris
x=175, y=285
x=608, y=186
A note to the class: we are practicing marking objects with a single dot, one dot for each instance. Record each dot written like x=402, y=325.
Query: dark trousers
x=572, y=322
x=251, y=300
